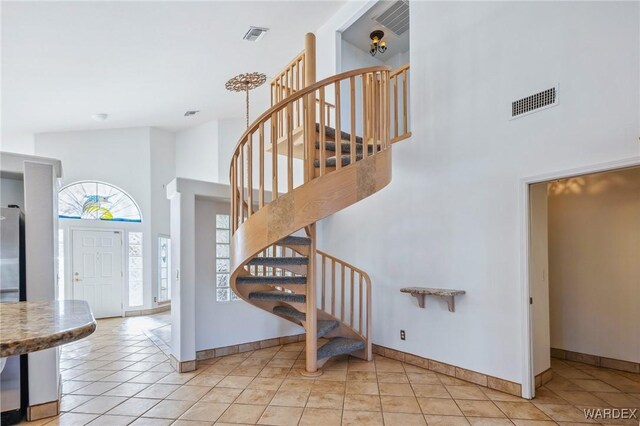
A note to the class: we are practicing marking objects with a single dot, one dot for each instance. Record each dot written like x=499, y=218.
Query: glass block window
x=61, y=264
x=164, y=265
x=223, y=238
x=97, y=201
x=136, y=291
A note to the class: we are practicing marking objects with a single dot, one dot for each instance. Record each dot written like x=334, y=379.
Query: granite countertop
x=33, y=326
x=432, y=291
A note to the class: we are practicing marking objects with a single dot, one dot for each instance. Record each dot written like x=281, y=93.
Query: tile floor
x=118, y=376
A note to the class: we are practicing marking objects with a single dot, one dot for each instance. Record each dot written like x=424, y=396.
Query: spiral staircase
x=321, y=147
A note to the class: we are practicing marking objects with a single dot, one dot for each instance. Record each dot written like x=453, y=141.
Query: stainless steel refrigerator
x=13, y=378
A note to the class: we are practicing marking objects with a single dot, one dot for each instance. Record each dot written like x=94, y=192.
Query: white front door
x=97, y=273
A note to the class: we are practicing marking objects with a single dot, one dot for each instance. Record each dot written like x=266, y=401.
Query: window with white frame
x=164, y=265
x=136, y=291
x=223, y=238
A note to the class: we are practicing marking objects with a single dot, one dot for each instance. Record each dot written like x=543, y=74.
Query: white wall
x=229, y=133
x=215, y=324
x=197, y=152
x=594, y=253
x=451, y=216
x=11, y=192
x=121, y=157
x=163, y=171
x=20, y=143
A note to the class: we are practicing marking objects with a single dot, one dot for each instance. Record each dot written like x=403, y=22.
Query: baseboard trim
x=182, y=366
x=42, y=411
x=481, y=379
x=156, y=310
x=246, y=347
x=543, y=378
x=595, y=360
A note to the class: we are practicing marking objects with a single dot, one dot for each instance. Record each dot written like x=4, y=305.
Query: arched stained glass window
x=97, y=201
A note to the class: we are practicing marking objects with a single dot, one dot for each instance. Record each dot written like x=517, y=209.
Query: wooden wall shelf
x=420, y=292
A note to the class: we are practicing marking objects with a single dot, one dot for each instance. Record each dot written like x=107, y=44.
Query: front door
x=97, y=273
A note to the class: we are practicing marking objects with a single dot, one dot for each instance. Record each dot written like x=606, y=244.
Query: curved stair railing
x=291, y=169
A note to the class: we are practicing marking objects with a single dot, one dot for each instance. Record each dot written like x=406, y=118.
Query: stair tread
x=295, y=241
x=331, y=161
x=277, y=295
x=331, y=133
x=275, y=261
x=344, y=146
x=339, y=346
x=323, y=327
x=271, y=280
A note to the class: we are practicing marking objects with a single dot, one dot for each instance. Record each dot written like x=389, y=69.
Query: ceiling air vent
x=396, y=17
x=545, y=99
x=190, y=113
x=255, y=33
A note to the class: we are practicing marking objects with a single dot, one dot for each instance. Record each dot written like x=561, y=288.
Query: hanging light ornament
x=244, y=83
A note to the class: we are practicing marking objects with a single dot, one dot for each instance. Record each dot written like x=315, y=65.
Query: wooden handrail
x=353, y=286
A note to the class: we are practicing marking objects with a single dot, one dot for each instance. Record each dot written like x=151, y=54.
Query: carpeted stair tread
x=324, y=326
x=339, y=346
x=330, y=132
x=294, y=241
x=345, y=147
x=278, y=261
x=288, y=311
x=271, y=280
x=331, y=161
x=277, y=295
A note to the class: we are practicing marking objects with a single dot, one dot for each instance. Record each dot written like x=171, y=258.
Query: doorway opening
x=584, y=288
x=97, y=270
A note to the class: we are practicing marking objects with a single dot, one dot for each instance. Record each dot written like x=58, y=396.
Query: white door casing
x=97, y=272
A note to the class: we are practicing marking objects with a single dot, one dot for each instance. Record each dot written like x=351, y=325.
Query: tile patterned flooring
x=118, y=376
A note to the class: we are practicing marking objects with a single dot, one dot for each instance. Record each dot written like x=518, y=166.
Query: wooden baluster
x=338, y=138
x=351, y=298
x=261, y=166
x=234, y=195
x=274, y=157
x=360, y=305
x=342, y=291
x=365, y=113
x=375, y=105
x=333, y=287
x=250, y=174
x=323, y=135
x=290, y=147
x=324, y=270
x=242, y=183
x=387, y=132
x=395, y=106
x=405, y=102
x=352, y=148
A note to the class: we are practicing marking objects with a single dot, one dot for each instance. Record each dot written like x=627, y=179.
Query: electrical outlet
x=155, y=299
x=402, y=335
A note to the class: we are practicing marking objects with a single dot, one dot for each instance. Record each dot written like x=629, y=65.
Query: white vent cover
x=255, y=33
x=541, y=100
x=396, y=17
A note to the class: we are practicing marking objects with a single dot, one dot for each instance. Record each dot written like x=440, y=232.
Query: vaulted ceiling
x=143, y=63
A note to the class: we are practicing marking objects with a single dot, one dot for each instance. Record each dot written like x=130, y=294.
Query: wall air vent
x=190, y=113
x=396, y=17
x=255, y=33
x=541, y=100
